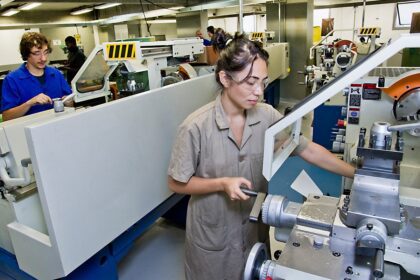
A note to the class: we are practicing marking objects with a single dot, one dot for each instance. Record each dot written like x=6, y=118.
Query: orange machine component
x=346, y=42
x=408, y=83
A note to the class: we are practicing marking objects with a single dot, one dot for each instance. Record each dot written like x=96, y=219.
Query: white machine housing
x=97, y=171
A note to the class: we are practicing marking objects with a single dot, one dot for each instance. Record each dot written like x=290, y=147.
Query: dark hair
x=238, y=54
x=70, y=40
x=30, y=40
x=210, y=29
x=219, y=39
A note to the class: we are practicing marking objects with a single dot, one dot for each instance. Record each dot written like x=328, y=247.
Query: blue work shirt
x=207, y=42
x=20, y=85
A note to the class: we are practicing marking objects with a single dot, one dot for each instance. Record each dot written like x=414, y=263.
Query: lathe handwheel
x=256, y=257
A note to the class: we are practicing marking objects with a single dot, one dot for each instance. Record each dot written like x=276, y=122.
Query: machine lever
x=378, y=268
x=10, y=182
x=248, y=191
x=403, y=127
x=256, y=208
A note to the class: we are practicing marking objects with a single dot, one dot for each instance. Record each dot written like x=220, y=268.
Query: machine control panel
x=354, y=102
x=371, y=92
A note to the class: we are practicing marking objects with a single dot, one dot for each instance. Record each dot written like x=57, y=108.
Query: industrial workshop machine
x=265, y=37
x=330, y=59
x=97, y=172
x=375, y=230
x=74, y=182
x=134, y=66
x=79, y=186
x=389, y=94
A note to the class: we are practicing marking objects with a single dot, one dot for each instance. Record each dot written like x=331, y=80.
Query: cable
x=145, y=19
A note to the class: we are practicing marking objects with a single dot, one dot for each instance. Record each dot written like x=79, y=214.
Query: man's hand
x=40, y=99
x=23, y=108
x=231, y=186
x=68, y=103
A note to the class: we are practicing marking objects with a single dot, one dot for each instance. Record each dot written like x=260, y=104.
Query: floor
x=157, y=254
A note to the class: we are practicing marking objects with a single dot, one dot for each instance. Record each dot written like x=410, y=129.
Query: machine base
x=103, y=265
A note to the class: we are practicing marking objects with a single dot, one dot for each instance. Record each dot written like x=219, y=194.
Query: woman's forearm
x=196, y=185
x=322, y=158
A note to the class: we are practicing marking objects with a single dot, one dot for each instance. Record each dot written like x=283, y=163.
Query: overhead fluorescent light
x=161, y=21
x=107, y=5
x=162, y=12
x=5, y=2
x=141, y=16
x=81, y=11
x=10, y=12
x=29, y=6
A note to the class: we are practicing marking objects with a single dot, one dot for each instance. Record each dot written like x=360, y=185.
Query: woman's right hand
x=231, y=186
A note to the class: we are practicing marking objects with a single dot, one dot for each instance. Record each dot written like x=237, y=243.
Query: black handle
x=248, y=191
x=378, y=268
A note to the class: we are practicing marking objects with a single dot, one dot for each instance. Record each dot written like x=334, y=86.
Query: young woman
x=219, y=148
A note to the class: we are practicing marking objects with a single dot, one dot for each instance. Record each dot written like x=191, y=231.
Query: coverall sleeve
x=185, y=153
x=65, y=88
x=10, y=97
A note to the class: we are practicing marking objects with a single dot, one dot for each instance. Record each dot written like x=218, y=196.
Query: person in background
x=219, y=39
x=218, y=149
x=32, y=87
x=199, y=34
x=210, y=32
x=75, y=58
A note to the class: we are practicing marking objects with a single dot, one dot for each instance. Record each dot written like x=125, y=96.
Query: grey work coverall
x=218, y=233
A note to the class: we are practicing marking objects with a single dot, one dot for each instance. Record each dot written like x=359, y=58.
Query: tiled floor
x=157, y=254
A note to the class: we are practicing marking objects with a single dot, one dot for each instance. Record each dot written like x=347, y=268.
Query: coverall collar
x=221, y=120
x=25, y=74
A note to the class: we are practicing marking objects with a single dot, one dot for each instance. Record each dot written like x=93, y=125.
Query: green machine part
x=411, y=57
x=121, y=77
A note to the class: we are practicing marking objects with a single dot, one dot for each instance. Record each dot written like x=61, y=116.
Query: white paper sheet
x=304, y=185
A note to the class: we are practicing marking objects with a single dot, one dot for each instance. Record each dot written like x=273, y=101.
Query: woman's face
x=245, y=92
